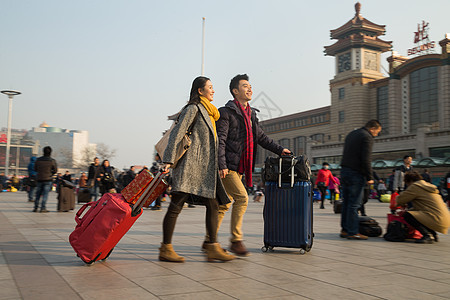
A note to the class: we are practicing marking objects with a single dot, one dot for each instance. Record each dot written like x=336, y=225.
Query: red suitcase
x=108, y=219
x=101, y=227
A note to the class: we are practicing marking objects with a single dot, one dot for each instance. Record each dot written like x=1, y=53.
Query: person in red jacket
x=323, y=179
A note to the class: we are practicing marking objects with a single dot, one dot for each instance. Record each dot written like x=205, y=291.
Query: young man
x=94, y=178
x=399, y=184
x=356, y=172
x=45, y=167
x=239, y=134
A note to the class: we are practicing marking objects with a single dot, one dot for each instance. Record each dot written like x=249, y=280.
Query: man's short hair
x=412, y=176
x=325, y=164
x=47, y=150
x=406, y=156
x=373, y=124
x=234, y=83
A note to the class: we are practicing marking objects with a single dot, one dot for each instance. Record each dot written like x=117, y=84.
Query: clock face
x=344, y=62
x=370, y=61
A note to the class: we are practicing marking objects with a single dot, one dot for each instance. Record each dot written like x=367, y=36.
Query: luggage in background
x=66, y=199
x=84, y=195
x=386, y=198
x=369, y=227
x=288, y=215
x=337, y=206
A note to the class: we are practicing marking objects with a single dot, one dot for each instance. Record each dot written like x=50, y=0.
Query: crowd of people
x=216, y=172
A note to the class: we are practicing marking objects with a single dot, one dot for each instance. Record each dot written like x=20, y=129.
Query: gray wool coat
x=197, y=172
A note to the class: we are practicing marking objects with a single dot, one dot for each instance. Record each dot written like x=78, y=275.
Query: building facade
x=68, y=145
x=412, y=103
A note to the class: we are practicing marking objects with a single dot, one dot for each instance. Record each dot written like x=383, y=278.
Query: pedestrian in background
x=426, y=176
x=3, y=182
x=31, y=179
x=399, y=182
x=67, y=176
x=156, y=167
x=45, y=168
x=333, y=187
x=82, y=183
x=94, y=178
x=356, y=172
x=107, y=179
x=196, y=173
x=324, y=177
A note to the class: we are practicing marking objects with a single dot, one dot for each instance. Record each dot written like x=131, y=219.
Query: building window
x=341, y=93
x=319, y=137
x=423, y=97
x=341, y=116
x=383, y=108
x=285, y=143
x=299, y=145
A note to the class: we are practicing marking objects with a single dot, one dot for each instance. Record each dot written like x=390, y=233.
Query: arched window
x=423, y=97
x=299, y=145
x=285, y=143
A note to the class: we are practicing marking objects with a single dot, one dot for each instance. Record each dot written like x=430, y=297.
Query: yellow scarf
x=213, y=112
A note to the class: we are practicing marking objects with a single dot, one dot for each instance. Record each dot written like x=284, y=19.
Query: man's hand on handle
x=286, y=152
x=223, y=173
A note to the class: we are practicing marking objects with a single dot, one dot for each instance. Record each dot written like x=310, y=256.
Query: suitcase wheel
x=267, y=248
x=302, y=251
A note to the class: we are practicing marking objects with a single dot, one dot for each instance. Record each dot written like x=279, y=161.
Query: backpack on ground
x=396, y=232
x=369, y=226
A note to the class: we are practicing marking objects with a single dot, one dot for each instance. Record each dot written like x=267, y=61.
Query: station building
x=412, y=103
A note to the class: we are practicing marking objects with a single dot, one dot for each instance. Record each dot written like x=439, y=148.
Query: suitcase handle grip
x=81, y=210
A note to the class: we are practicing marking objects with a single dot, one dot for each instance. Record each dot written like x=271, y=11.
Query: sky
x=118, y=68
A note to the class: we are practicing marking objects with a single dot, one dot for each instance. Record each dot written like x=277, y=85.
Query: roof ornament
x=357, y=8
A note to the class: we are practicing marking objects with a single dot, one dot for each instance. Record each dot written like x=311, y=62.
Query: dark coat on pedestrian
x=197, y=172
x=45, y=167
x=93, y=174
x=232, y=134
x=108, y=180
x=357, y=153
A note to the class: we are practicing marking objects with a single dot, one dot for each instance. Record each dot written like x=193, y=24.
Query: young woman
x=107, y=180
x=196, y=173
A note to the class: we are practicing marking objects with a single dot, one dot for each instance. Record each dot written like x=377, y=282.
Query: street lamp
x=10, y=95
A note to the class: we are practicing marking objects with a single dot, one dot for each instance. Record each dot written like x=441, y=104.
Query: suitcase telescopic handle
x=80, y=212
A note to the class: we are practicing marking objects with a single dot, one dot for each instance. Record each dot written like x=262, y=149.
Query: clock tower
x=357, y=53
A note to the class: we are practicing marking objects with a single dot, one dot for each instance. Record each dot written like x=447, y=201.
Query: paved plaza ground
x=37, y=261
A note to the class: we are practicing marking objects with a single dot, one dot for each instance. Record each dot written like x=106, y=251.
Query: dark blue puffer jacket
x=232, y=135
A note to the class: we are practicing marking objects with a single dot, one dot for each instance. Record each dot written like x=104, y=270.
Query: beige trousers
x=239, y=200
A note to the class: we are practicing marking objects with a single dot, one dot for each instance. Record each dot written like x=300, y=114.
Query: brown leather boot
x=166, y=253
x=215, y=252
x=238, y=248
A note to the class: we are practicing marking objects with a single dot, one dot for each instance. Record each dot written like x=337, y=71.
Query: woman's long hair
x=199, y=83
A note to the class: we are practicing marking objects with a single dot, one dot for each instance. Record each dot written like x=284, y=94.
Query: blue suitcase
x=288, y=215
